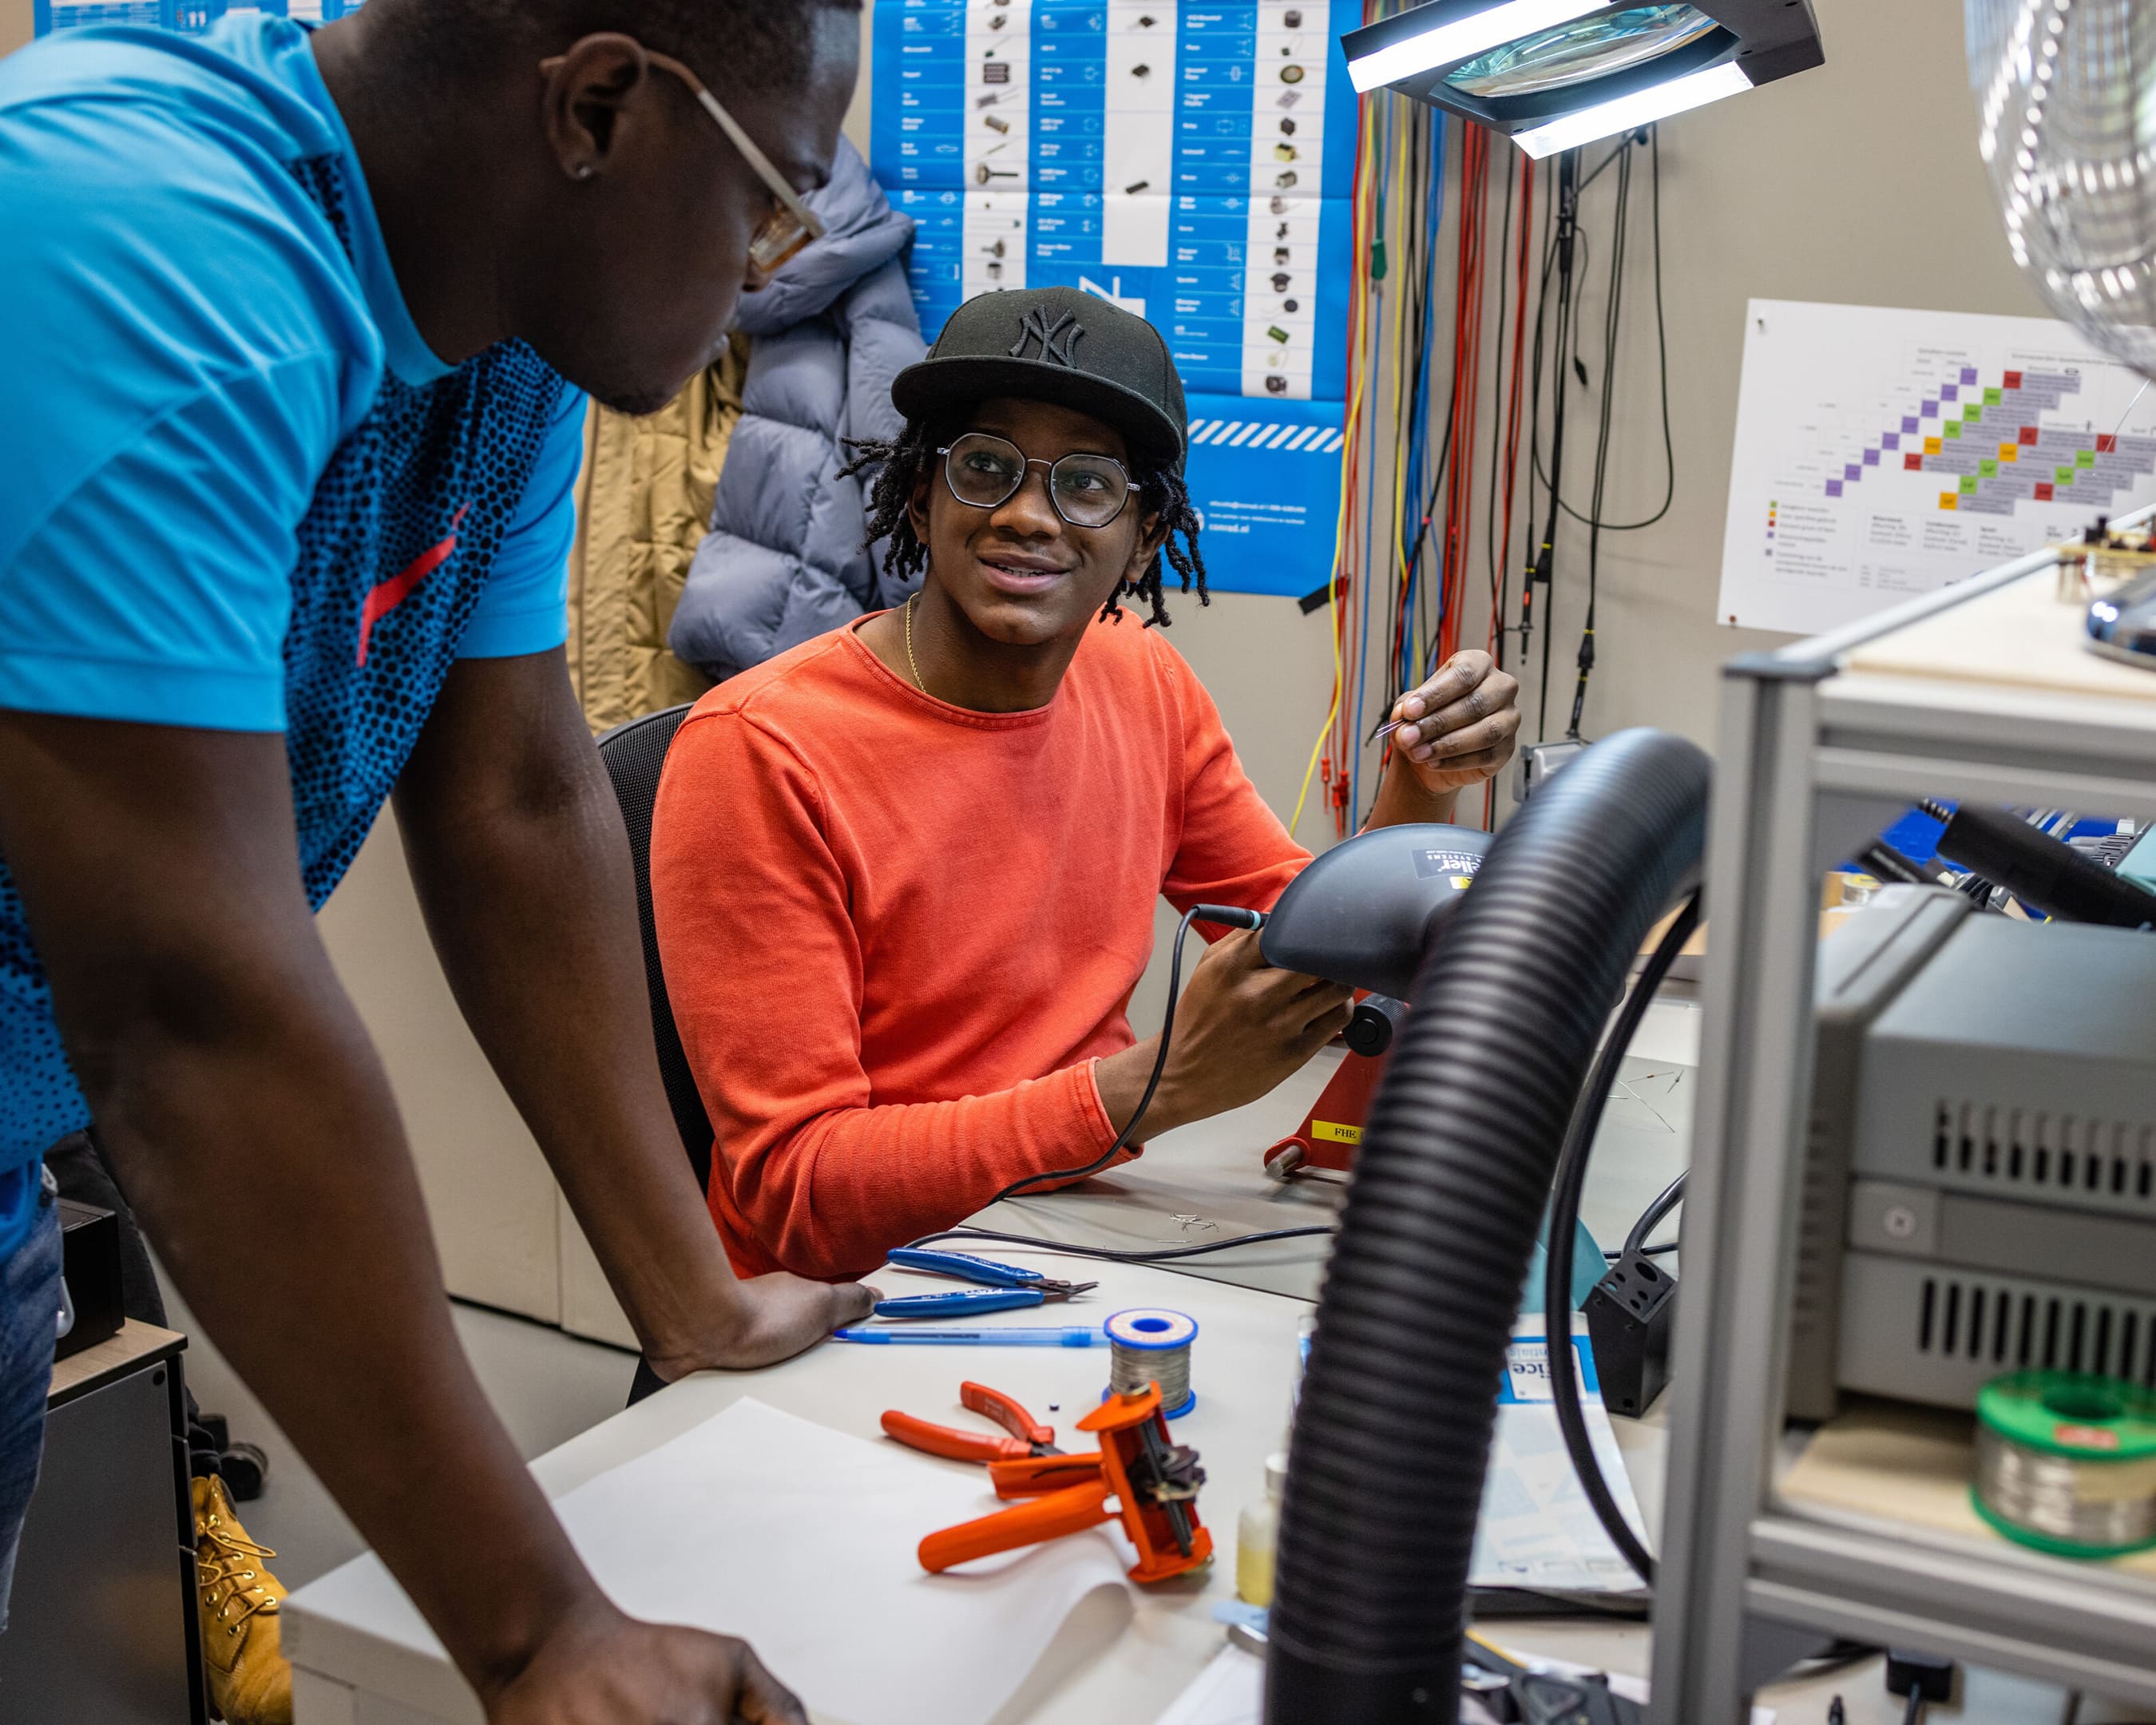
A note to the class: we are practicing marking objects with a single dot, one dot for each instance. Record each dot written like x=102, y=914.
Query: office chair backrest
x=635, y=754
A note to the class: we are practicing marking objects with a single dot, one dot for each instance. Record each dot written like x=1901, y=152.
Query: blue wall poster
x=191, y=16
x=1192, y=163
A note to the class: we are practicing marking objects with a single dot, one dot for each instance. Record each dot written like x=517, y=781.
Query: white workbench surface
x=1207, y=1182
x=357, y=1663
x=1242, y=1370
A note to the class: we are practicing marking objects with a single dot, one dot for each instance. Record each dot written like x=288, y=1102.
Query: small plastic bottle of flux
x=1256, y=1534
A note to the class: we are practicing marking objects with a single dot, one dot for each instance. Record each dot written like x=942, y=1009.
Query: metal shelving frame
x=1813, y=759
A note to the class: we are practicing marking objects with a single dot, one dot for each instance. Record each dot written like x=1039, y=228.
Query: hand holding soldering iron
x=1460, y=726
x=1241, y=1028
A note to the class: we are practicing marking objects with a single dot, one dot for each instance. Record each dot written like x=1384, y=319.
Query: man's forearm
x=529, y=903
x=260, y=1146
x=255, y=1130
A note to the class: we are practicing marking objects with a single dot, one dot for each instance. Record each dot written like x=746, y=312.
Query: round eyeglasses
x=985, y=471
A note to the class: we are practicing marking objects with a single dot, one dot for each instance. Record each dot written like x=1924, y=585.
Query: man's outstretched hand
x=771, y=1318
x=612, y=1669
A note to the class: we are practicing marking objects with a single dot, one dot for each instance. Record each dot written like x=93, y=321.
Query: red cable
x=1464, y=513
x=1474, y=176
x=1401, y=579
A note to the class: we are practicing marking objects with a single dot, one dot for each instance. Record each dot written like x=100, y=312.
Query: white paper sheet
x=1231, y=1691
x=1858, y=477
x=1537, y=1529
x=802, y=1540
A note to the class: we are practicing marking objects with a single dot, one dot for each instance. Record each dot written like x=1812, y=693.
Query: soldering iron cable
x=1145, y=1254
x=1565, y=1214
x=1227, y=915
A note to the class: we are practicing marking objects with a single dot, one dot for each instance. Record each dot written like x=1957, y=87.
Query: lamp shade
x=1555, y=73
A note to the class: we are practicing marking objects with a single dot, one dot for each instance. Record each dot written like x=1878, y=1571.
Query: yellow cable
x=1399, y=352
x=1357, y=314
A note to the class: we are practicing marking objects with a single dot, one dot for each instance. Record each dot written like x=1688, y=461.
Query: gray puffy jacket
x=783, y=561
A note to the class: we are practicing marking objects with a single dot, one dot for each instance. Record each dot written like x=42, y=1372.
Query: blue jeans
x=30, y=1327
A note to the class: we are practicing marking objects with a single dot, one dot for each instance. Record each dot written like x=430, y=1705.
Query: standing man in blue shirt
x=297, y=330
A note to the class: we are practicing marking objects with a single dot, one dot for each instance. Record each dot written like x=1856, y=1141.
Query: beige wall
x=14, y=24
x=1858, y=183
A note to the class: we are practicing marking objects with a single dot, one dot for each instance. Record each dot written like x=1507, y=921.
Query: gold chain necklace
x=912, y=665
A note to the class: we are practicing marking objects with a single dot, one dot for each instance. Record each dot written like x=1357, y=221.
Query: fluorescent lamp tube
x=1463, y=38
x=1643, y=107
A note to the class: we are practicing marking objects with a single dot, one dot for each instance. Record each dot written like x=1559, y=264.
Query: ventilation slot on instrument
x=2002, y=1326
x=1818, y=1261
x=1989, y=1144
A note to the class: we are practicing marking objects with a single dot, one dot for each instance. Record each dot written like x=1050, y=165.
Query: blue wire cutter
x=1006, y=1287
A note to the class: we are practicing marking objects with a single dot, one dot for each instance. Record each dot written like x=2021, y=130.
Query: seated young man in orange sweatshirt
x=904, y=875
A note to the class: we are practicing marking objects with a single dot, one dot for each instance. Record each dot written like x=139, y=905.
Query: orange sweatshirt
x=898, y=933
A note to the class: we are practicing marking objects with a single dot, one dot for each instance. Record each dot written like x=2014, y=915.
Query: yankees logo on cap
x=1072, y=348
x=1054, y=338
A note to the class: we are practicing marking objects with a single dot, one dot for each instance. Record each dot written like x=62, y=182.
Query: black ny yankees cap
x=1057, y=344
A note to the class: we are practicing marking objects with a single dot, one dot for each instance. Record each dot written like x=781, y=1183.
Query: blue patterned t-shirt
x=237, y=490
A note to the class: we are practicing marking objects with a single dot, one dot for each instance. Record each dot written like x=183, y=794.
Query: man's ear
x=1152, y=534
x=588, y=91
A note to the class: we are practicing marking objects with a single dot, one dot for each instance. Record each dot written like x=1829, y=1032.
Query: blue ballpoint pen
x=1071, y=1337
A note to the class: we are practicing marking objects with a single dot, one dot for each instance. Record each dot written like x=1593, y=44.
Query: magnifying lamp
x=1552, y=74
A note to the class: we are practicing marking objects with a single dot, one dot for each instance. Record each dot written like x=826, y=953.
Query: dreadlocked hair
x=899, y=466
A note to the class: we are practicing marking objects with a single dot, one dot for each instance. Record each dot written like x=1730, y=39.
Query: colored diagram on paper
x=1994, y=446
x=1881, y=453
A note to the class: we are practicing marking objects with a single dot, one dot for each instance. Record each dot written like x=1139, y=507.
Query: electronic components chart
x=189, y=17
x=1881, y=453
x=1191, y=163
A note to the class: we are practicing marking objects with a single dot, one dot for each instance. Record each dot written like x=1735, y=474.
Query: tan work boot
x=250, y=1681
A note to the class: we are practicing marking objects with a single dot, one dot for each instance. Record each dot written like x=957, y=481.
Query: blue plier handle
x=1006, y=1287
x=971, y=1303
x=966, y=1267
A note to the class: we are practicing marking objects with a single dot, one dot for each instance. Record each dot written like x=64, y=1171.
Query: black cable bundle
x=1567, y=274
x=1567, y=245
x=1998, y=847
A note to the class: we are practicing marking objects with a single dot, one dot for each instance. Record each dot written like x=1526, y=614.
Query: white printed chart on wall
x=1191, y=163
x=1881, y=453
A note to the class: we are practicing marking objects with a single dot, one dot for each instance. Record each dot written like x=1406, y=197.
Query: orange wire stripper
x=1138, y=1476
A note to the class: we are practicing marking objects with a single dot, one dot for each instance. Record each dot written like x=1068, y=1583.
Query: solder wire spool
x=2066, y=1462
x=1150, y=1344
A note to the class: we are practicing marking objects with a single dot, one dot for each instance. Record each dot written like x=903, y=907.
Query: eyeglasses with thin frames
x=985, y=471
x=781, y=235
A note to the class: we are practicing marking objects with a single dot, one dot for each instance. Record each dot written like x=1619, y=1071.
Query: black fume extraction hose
x=1393, y=1436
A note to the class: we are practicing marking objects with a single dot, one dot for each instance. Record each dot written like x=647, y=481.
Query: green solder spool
x=2066, y=1462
